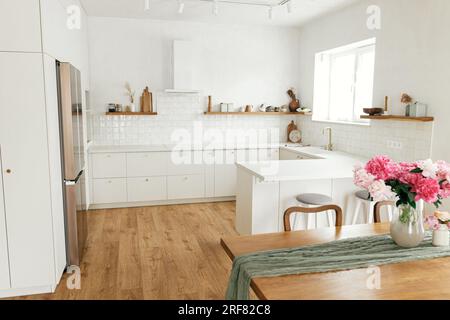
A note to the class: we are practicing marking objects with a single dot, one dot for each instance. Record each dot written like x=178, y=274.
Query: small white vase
x=441, y=236
x=133, y=107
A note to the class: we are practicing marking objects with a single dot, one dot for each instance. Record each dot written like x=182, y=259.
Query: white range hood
x=183, y=64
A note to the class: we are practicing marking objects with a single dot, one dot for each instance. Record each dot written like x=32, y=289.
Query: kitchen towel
x=354, y=253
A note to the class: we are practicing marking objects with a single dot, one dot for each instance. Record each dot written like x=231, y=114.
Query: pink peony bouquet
x=407, y=183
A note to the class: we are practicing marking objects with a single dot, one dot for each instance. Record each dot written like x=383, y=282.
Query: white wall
x=412, y=55
x=238, y=64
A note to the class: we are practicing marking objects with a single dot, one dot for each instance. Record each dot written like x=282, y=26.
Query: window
x=343, y=83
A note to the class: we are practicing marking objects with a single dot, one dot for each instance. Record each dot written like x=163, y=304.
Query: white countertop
x=168, y=148
x=325, y=165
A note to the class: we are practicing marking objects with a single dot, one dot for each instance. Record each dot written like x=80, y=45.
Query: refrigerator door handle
x=75, y=181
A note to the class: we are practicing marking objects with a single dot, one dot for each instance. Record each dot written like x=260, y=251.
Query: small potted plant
x=406, y=101
x=439, y=223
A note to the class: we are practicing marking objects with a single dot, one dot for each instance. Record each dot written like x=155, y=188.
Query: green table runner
x=340, y=255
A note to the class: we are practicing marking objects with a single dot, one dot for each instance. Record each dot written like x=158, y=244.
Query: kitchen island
x=266, y=189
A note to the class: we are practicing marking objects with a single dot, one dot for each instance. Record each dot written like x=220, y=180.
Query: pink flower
x=432, y=222
x=379, y=191
x=382, y=168
x=445, y=190
x=426, y=189
x=361, y=178
x=443, y=170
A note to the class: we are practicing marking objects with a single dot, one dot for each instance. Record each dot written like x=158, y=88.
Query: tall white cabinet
x=26, y=185
x=32, y=235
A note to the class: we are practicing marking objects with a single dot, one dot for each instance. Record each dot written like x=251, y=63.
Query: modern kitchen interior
x=224, y=149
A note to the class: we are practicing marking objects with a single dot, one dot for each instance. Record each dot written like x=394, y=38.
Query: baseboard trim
x=158, y=203
x=11, y=293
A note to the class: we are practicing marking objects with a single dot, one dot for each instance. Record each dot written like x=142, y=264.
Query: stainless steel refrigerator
x=73, y=164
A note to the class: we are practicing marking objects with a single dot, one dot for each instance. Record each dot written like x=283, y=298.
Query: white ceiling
x=202, y=11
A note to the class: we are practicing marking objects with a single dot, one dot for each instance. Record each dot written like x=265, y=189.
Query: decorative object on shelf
x=210, y=104
x=277, y=109
x=128, y=109
x=262, y=108
x=248, y=108
x=147, y=101
x=111, y=107
x=418, y=109
x=270, y=109
x=295, y=103
x=130, y=93
x=439, y=223
x=284, y=108
x=373, y=111
x=294, y=135
x=304, y=110
x=410, y=185
x=230, y=107
x=386, y=105
x=119, y=108
x=406, y=101
x=223, y=107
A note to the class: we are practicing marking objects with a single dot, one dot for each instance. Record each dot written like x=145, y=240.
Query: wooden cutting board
x=147, y=101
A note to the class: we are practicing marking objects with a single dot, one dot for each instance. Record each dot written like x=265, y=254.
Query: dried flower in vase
x=406, y=99
x=130, y=93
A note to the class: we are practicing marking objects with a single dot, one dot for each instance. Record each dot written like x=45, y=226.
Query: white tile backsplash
x=415, y=138
x=185, y=111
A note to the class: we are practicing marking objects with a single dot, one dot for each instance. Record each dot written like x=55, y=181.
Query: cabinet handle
x=147, y=180
x=8, y=171
x=186, y=179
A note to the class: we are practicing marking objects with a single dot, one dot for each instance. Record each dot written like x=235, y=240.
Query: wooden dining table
x=422, y=279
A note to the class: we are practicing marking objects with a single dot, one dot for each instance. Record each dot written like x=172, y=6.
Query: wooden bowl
x=373, y=111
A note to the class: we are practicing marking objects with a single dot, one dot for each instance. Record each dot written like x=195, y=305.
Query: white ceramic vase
x=407, y=228
x=441, y=236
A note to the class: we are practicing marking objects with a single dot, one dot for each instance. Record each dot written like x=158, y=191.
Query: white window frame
x=322, y=107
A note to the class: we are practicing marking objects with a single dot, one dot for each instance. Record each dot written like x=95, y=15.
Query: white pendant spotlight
x=180, y=6
x=147, y=5
x=270, y=13
x=289, y=6
x=215, y=7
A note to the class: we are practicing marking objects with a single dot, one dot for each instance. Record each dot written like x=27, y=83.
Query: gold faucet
x=329, y=146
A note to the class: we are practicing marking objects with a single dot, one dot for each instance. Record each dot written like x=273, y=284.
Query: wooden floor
x=166, y=252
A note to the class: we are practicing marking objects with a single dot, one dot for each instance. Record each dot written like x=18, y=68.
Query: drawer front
x=185, y=163
x=268, y=154
x=147, y=164
x=109, y=191
x=147, y=189
x=109, y=165
x=186, y=187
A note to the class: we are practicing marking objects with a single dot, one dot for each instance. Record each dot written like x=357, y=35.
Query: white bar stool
x=314, y=200
x=363, y=200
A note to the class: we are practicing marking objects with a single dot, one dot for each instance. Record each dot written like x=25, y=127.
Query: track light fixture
x=270, y=13
x=215, y=7
x=180, y=6
x=147, y=5
x=289, y=6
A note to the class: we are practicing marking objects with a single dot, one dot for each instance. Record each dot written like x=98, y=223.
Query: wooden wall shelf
x=131, y=113
x=398, y=118
x=257, y=114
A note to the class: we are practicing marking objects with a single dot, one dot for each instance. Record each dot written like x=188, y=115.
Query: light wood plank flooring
x=165, y=252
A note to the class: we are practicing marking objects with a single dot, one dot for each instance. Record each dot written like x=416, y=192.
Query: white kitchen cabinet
x=20, y=26
x=5, y=282
x=109, y=165
x=25, y=161
x=225, y=173
x=208, y=160
x=147, y=189
x=268, y=154
x=291, y=155
x=112, y=190
x=185, y=163
x=186, y=187
x=147, y=164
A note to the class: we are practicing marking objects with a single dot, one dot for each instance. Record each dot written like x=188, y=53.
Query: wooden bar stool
x=363, y=200
x=315, y=210
x=311, y=200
